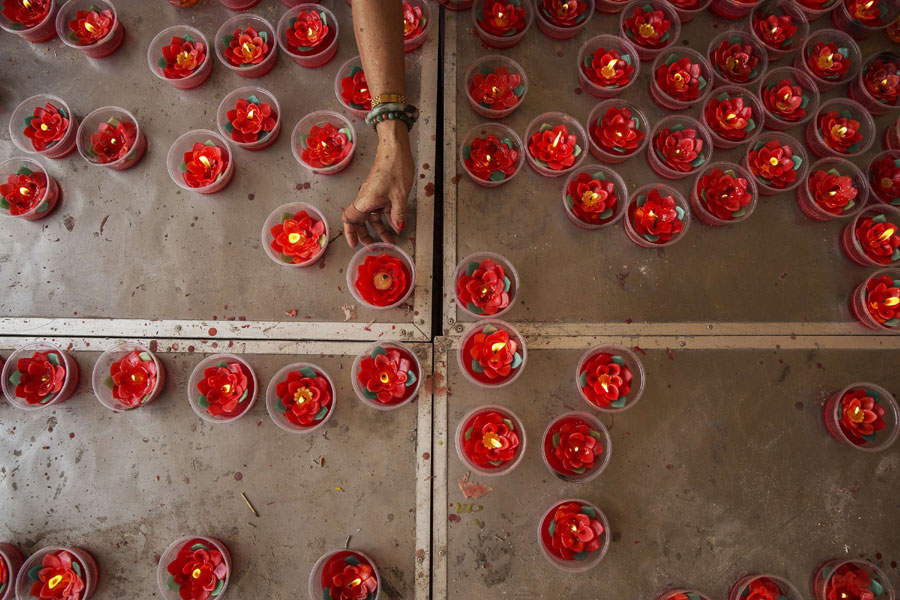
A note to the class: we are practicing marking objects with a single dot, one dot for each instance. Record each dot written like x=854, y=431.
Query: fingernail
x=402, y=225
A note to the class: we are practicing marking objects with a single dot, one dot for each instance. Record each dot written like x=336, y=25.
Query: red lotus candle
x=841, y=128
x=495, y=86
x=563, y=19
x=295, y=235
x=222, y=388
x=737, y=58
x=872, y=239
x=491, y=353
x=194, y=568
x=651, y=25
x=490, y=440
x=200, y=161
x=247, y=45
x=491, y=154
x=111, y=137
x=308, y=33
x=815, y=9
x=180, y=56
x=763, y=587
x=680, y=78
x=875, y=303
x=835, y=189
x=324, y=142
x=862, y=18
x=239, y=4
x=607, y=66
x=574, y=535
x=300, y=398
x=250, y=117
x=610, y=378
x=555, y=144
x=789, y=98
x=344, y=575
x=830, y=57
x=884, y=177
x=617, y=130
x=90, y=26
x=594, y=196
x=779, y=25
x=656, y=215
x=38, y=375
x=486, y=284
x=127, y=376
x=11, y=560
x=877, y=87
x=576, y=447
x=26, y=190
x=732, y=116
x=32, y=20
x=778, y=162
x=352, y=89
x=733, y=9
x=678, y=147
x=416, y=23
x=381, y=276
x=723, y=194
x=864, y=416
x=45, y=125
x=501, y=24
x=386, y=375
x=851, y=579
x=60, y=573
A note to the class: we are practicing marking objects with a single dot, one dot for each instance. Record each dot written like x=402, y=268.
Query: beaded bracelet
x=390, y=111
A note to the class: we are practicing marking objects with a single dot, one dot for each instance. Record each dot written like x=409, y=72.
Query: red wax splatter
x=238, y=476
x=213, y=331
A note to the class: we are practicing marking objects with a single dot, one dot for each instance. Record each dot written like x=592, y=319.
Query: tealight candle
x=789, y=98
x=862, y=18
x=58, y=572
x=417, y=19
x=27, y=191
x=352, y=89
x=180, y=56
x=344, y=574
x=386, y=375
x=777, y=161
x=610, y=378
x=733, y=115
x=90, y=26
x=651, y=25
x=491, y=154
x=250, y=117
x=381, y=276
x=295, y=235
x=308, y=33
x=200, y=161
x=222, y=388
x=607, y=66
x=884, y=177
x=830, y=57
x=38, y=375
x=502, y=24
x=617, y=130
x=573, y=535
x=594, y=196
x=111, y=137
x=491, y=353
x=763, y=586
x=678, y=147
x=872, y=239
x=876, y=301
x=32, y=20
x=815, y=9
x=192, y=567
x=779, y=25
x=841, y=127
x=324, y=142
x=563, y=19
x=656, y=216
x=555, y=144
x=485, y=285
x=11, y=560
x=246, y=44
x=835, y=190
x=45, y=125
x=490, y=440
x=680, y=78
x=495, y=86
x=737, y=58
x=127, y=376
x=877, y=87
x=576, y=447
x=864, y=416
x=300, y=398
x=832, y=577
x=723, y=194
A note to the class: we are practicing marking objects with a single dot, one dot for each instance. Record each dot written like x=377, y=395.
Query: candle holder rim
x=846, y=39
x=594, y=116
x=796, y=148
x=162, y=573
x=883, y=579
x=508, y=267
x=623, y=42
x=272, y=397
x=663, y=5
x=569, y=121
x=637, y=369
x=194, y=378
x=680, y=590
x=507, y=130
x=62, y=22
x=617, y=179
x=168, y=32
x=607, y=449
x=590, y=12
x=281, y=28
x=32, y=102
x=742, y=583
x=228, y=102
x=788, y=6
x=428, y=12
x=702, y=130
x=293, y=207
x=172, y=155
x=51, y=15
x=315, y=116
x=314, y=574
x=367, y=351
x=697, y=58
x=503, y=469
x=38, y=555
x=865, y=120
x=751, y=181
x=499, y=324
x=885, y=396
x=745, y=94
x=82, y=130
x=746, y=39
x=382, y=248
x=859, y=178
x=842, y=6
x=478, y=8
x=578, y=567
x=345, y=67
x=38, y=167
x=797, y=77
x=120, y=350
x=227, y=28
x=519, y=69
x=30, y=348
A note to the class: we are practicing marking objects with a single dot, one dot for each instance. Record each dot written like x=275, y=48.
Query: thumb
x=398, y=213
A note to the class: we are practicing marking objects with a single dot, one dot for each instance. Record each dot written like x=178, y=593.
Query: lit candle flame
x=226, y=389
x=44, y=127
x=54, y=581
x=26, y=3
x=355, y=582
x=384, y=378
x=773, y=161
x=89, y=27
x=886, y=234
x=310, y=34
x=196, y=574
x=497, y=347
x=487, y=158
x=609, y=69
x=112, y=141
x=205, y=162
x=293, y=238
x=302, y=395
x=891, y=302
x=556, y=141
x=25, y=191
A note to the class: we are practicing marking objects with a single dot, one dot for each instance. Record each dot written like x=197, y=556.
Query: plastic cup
x=17, y=125
x=319, y=119
x=808, y=88
x=90, y=571
x=501, y=132
x=47, y=202
x=465, y=361
x=670, y=594
x=823, y=577
x=102, y=381
x=318, y=56
x=346, y=70
x=632, y=363
x=741, y=587
x=228, y=103
x=273, y=401
x=891, y=140
x=859, y=302
x=574, y=565
x=27, y=351
x=730, y=92
x=704, y=214
x=185, y=143
x=508, y=269
x=162, y=572
x=611, y=156
x=377, y=249
x=817, y=10
x=845, y=21
x=688, y=14
x=722, y=76
x=674, y=32
x=883, y=438
x=110, y=115
x=641, y=194
x=414, y=42
x=768, y=189
x=163, y=39
x=562, y=32
x=239, y=4
x=463, y=426
x=626, y=51
x=608, y=174
x=489, y=64
x=197, y=374
x=780, y=8
x=806, y=199
x=552, y=120
x=861, y=94
x=13, y=559
x=842, y=41
x=43, y=31
x=276, y=216
x=599, y=464
x=501, y=42
x=880, y=192
x=610, y=7
x=816, y=142
x=673, y=124
x=850, y=243
x=101, y=48
x=415, y=368
x=661, y=64
x=732, y=9
x=454, y=5
x=242, y=22
x=315, y=576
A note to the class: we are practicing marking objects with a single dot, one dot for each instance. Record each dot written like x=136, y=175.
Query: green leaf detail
x=555, y=440
x=227, y=39
x=308, y=372
x=476, y=366
x=545, y=127
x=589, y=511
x=145, y=357
x=351, y=560
x=346, y=131
x=680, y=212
x=517, y=361
x=879, y=219
x=577, y=151
x=618, y=403
x=876, y=588
x=326, y=594
x=253, y=99
x=519, y=91
x=356, y=69
x=62, y=111
x=285, y=258
x=797, y=161
x=228, y=126
x=303, y=143
x=474, y=309
x=15, y=378
x=507, y=284
x=497, y=176
x=579, y=470
x=182, y=167
x=370, y=395
x=161, y=63
x=2, y=587
x=596, y=435
x=378, y=350
x=509, y=424
x=692, y=596
x=411, y=379
x=702, y=82
x=580, y=555
x=582, y=379
x=651, y=238
x=488, y=329
x=202, y=402
x=670, y=59
x=323, y=17
x=77, y=568
x=172, y=585
x=108, y=382
x=222, y=365
x=47, y=398
x=265, y=36
x=323, y=239
x=569, y=201
x=33, y=572
x=471, y=268
x=321, y=414
x=552, y=528
x=739, y=213
x=244, y=396
x=220, y=585
x=468, y=434
x=113, y=122
x=496, y=463
x=43, y=207
x=53, y=358
x=281, y=407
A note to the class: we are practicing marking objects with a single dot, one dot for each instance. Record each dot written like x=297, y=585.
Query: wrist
x=392, y=133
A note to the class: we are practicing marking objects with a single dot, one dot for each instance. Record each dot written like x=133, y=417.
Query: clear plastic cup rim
x=509, y=466
x=380, y=248
x=577, y=566
x=744, y=173
x=242, y=21
x=292, y=207
x=38, y=167
x=785, y=586
x=26, y=351
x=195, y=376
x=168, y=33
x=697, y=58
x=228, y=103
x=344, y=71
x=792, y=9
x=98, y=377
x=749, y=97
x=314, y=586
x=511, y=67
x=162, y=572
x=559, y=118
x=82, y=130
x=890, y=405
x=62, y=23
x=322, y=115
x=272, y=398
x=611, y=175
x=668, y=9
x=610, y=42
x=38, y=556
x=292, y=11
x=796, y=149
x=508, y=267
x=865, y=121
x=474, y=328
x=745, y=37
x=637, y=374
x=507, y=131
x=50, y=16
x=38, y=100
x=175, y=155
x=797, y=77
x=598, y=111
x=489, y=37
x=845, y=168
x=357, y=386
x=598, y=467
